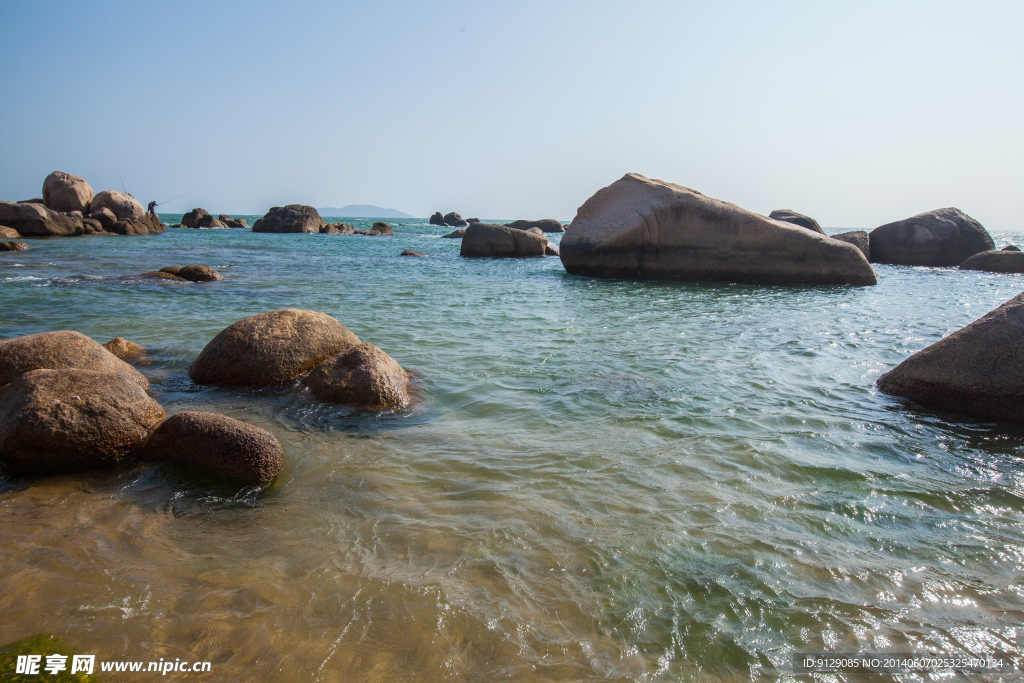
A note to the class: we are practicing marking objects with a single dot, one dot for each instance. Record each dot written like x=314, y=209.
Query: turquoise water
x=605, y=480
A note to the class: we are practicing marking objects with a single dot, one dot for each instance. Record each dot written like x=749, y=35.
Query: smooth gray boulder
x=290, y=218
x=499, y=241
x=796, y=219
x=978, y=370
x=996, y=261
x=859, y=239
x=35, y=220
x=65, y=192
x=639, y=228
x=944, y=237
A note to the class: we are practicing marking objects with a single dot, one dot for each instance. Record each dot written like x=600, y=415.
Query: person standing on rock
x=151, y=208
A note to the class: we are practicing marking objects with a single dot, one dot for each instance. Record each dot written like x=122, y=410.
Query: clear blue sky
x=856, y=113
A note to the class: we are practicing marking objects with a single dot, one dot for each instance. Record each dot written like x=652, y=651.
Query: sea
x=601, y=480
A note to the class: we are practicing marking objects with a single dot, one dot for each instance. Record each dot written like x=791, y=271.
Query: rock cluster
x=452, y=220
x=201, y=218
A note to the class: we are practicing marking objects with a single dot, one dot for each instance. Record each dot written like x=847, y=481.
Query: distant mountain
x=362, y=211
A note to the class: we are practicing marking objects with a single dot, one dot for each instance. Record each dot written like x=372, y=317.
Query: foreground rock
x=544, y=224
x=363, y=375
x=944, y=237
x=454, y=220
x=977, y=370
x=124, y=349
x=646, y=229
x=217, y=446
x=455, y=234
x=499, y=241
x=859, y=239
x=291, y=218
x=65, y=192
x=271, y=348
x=13, y=246
x=9, y=233
x=796, y=219
x=54, y=421
x=996, y=261
x=35, y=220
x=60, y=350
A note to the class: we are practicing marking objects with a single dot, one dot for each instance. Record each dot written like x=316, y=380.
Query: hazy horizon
x=857, y=115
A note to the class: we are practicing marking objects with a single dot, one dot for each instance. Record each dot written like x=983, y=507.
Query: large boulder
x=35, y=220
x=217, y=446
x=859, y=239
x=271, y=348
x=60, y=350
x=454, y=220
x=291, y=218
x=646, y=229
x=796, y=219
x=437, y=219
x=13, y=246
x=65, y=420
x=944, y=237
x=363, y=375
x=996, y=261
x=65, y=192
x=121, y=204
x=489, y=240
x=9, y=233
x=545, y=225
x=192, y=218
x=977, y=370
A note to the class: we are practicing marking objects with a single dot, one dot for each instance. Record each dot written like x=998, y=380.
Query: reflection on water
x=605, y=481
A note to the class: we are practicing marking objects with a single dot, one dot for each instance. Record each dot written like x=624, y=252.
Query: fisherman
x=152, y=208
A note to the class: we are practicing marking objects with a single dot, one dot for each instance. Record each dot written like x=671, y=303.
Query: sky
x=855, y=113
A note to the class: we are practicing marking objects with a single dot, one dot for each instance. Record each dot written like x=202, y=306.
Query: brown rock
x=93, y=227
x=859, y=239
x=410, y=252
x=796, y=219
x=363, y=375
x=544, y=225
x=232, y=222
x=9, y=233
x=212, y=445
x=380, y=228
x=551, y=249
x=146, y=225
x=60, y=350
x=66, y=192
x=455, y=234
x=121, y=204
x=199, y=274
x=337, y=229
x=487, y=240
x=173, y=270
x=13, y=246
x=437, y=219
x=210, y=222
x=996, y=261
x=192, y=218
x=35, y=220
x=271, y=348
x=291, y=218
x=163, y=275
x=944, y=237
x=65, y=420
x=639, y=228
x=104, y=216
x=977, y=370
x=124, y=349
x=454, y=220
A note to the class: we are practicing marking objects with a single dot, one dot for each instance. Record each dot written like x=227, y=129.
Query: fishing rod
x=173, y=198
x=122, y=181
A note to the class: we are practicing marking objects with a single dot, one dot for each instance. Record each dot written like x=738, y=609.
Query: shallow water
x=606, y=480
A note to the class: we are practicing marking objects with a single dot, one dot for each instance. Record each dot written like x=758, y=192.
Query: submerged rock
x=410, y=252
x=996, y=261
x=859, y=239
x=199, y=274
x=796, y=219
x=60, y=350
x=54, y=421
x=978, y=370
x=163, y=275
x=271, y=348
x=290, y=218
x=544, y=225
x=124, y=349
x=363, y=375
x=35, y=220
x=65, y=192
x=639, y=228
x=13, y=246
x=217, y=446
x=944, y=237
x=488, y=240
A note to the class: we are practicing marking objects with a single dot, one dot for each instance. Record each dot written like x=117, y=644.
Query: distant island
x=362, y=211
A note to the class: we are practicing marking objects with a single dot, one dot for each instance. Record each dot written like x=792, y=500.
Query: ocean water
x=603, y=481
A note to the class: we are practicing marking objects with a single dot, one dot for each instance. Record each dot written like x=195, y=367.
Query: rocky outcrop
x=291, y=218
x=9, y=233
x=65, y=192
x=192, y=218
x=796, y=219
x=148, y=224
x=60, y=350
x=437, y=219
x=944, y=237
x=639, y=228
x=217, y=446
x=35, y=220
x=13, y=246
x=859, y=239
x=124, y=349
x=410, y=252
x=455, y=234
x=977, y=370
x=363, y=375
x=544, y=224
x=71, y=419
x=271, y=348
x=488, y=240
x=232, y=222
x=337, y=229
x=996, y=261
x=454, y=220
